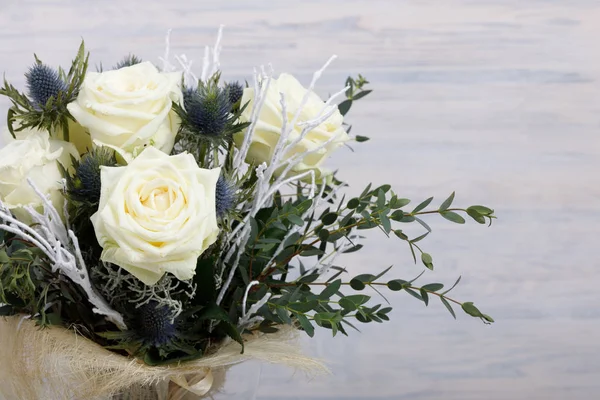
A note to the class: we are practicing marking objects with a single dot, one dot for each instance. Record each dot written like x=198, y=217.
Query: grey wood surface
x=496, y=99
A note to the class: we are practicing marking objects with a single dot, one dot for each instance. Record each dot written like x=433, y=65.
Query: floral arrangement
x=165, y=216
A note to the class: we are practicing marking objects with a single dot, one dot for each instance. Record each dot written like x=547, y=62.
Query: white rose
x=270, y=123
x=156, y=215
x=129, y=108
x=36, y=157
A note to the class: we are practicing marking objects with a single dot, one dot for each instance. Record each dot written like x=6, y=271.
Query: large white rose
x=129, y=108
x=156, y=215
x=36, y=157
x=270, y=122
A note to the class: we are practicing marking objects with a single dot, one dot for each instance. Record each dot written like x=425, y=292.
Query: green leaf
x=330, y=289
x=362, y=94
x=4, y=258
x=294, y=219
x=422, y=205
x=408, y=219
x=413, y=293
x=213, y=312
x=323, y=235
x=385, y=222
x=396, y=285
x=473, y=311
x=397, y=215
x=230, y=330
x=351, y=303
x=400, y=234
x=313, y=251
x=427, y=260
x=292, y=239
x=418, y=239
x=309, y=278
x=476, y=216
x=305, y=324
x=425, y=297
x=380, y=198
x=448, y=307
x=329, y=218
x=482, y=210
x=412, y=251
x=353, y=249
x=344, y=106
x=423, y=224
x=385, y=271
x=433, y=287
x=454, y=217
x=353, y=203
x=303, y=307
x=365, y=191
x=488, y=318
x=284, y=315
x=399, y=203
x=447, y=203
x=361, y=139
x=356, y=284
x=453, y=286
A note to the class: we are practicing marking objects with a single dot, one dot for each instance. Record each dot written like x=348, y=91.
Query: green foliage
x=354, y=92
x=294, y=301
x=29, y=286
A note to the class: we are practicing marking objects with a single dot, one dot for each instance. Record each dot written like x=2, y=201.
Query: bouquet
x=157, y=227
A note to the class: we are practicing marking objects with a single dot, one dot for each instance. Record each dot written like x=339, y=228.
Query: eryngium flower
x=43, y=82
x=128, y=61
x=207, y=109
x=85, y=185
x=235, y=90
x=224, y=196
x=155, y=325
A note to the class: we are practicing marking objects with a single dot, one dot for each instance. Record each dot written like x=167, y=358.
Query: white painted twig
x=62, y=248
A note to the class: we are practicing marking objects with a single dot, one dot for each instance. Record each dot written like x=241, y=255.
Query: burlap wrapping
x=56, y=363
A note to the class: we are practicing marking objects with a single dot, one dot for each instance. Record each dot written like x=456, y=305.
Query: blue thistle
x=128, y=61
x=224, y=196
x=43, y=82
x=85, y=185
x=155, y=326
x=236, y=91
x=207, y=110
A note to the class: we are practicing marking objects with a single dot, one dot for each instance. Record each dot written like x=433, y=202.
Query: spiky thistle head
x=85, y=185
x=128, y=61
x=44, y=82
x=155, y=325
x=235, y=91
x=208, y=110
x=225, y=196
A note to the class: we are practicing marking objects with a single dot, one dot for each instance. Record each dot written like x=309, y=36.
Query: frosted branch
x=249, y=317
x=62, y=248
x=211, y=62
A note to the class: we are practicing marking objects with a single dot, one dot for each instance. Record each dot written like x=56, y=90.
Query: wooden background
x=496, y=99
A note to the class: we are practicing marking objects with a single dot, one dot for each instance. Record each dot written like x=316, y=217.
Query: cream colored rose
x=78, y=135
x=156, y=215
x=270, y=122
x=129, y=108
x=36, y=157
